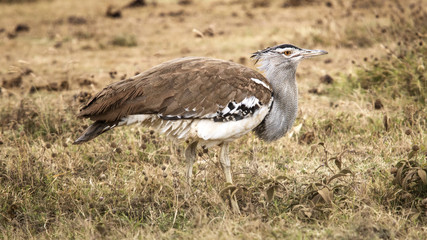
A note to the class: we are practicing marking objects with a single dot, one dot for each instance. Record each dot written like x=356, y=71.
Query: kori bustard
x=206, y=101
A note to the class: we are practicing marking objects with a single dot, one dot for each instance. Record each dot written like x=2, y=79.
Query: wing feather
x=183, y=88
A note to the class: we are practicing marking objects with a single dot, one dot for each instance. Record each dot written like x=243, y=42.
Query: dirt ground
x=334, y=177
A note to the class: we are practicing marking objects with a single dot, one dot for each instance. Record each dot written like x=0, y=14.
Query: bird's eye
x=287, y=52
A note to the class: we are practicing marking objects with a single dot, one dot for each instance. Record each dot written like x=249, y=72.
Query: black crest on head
x=285, y=46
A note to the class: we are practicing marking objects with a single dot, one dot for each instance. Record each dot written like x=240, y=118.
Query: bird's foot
x=229, y=193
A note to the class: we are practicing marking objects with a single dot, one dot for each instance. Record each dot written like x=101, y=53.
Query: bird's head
x=284, y=55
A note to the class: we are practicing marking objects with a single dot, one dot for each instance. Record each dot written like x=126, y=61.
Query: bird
x=205, y=101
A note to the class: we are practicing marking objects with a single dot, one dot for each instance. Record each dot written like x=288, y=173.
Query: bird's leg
x=190, y=156
x=225, y=162
x=226, y=165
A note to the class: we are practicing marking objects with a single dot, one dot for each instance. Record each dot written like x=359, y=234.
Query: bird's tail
x=94, y=130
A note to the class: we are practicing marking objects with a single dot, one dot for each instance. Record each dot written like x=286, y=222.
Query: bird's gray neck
x=285, y=103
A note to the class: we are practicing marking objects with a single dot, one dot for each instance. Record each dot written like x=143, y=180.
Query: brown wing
x=182, y=88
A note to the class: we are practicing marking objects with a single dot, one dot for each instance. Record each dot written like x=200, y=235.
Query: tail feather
x=94, y=130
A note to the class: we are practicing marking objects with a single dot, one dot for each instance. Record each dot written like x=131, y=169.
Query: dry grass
x=355, y=170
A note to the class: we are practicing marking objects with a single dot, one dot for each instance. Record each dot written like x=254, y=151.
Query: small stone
x=415, y=148
x=313, y=91
x=327, y=61
x=408, y=132
x=48, y=145
x=185, y=2
x=113, y=145
x=137, y=3
x=378, y=104
x=118, y=150
x=210, y=32
x=22, y=27
x=113, y=13
x=327, y=79
x=11, y=35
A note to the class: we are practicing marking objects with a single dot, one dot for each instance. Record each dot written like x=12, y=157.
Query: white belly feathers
x=206, y=131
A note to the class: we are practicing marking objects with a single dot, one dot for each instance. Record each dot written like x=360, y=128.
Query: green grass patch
x=399, y=75
x=124, y=41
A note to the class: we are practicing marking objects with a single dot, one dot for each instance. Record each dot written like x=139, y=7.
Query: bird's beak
x=307, y=53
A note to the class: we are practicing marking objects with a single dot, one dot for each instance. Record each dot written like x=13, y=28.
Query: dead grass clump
x=29, y=195
x=333, y=188
x=16, y=79
x=260, y=3
x=298, y=3
x=365, y=227
x=411, y=176
x=83, y=35
x=113, y=12
x=357, y=36
x=23, y=116
x=136, y=3
x=366, y=3
x=407, y=23
x=76, y=20
x=400, y=75
x=408, y=194
x=124, y=41
x=34, y=121
x=185, y=2
x=53, y=86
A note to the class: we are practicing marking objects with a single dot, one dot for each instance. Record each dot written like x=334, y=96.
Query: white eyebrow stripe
x=283, y=49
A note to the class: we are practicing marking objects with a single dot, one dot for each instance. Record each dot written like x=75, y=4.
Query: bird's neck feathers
x=285, y=103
